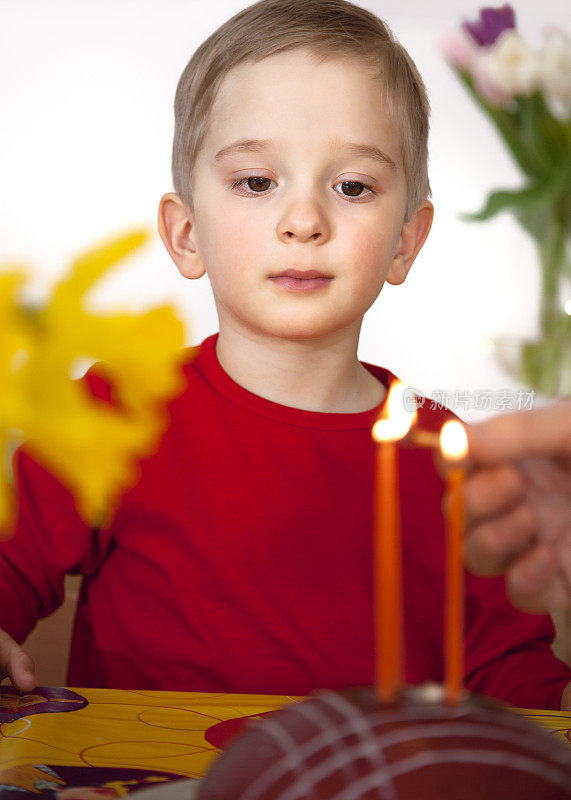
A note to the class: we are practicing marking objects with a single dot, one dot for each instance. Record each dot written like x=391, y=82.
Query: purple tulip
x=492, y=22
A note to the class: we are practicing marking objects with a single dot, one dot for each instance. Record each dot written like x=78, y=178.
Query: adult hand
x=518, y=504
x=16, y=664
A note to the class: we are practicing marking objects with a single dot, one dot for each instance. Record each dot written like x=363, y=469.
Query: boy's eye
x=256, y=183
x=353, y=188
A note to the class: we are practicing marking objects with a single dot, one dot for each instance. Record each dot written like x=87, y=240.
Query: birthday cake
x=348, y=746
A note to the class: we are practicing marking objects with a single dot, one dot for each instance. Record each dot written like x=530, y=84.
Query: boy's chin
x=306, y=331
x=311, y=326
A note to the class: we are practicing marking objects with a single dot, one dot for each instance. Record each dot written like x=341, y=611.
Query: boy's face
x=303, y=201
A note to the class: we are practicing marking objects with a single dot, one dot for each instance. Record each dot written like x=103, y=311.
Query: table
x=100, y=744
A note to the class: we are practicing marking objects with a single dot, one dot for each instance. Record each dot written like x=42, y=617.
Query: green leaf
x=542, y=134
x=532, y=197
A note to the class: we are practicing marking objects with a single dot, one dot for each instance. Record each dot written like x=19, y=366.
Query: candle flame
x=453, y=440
x=395, y=421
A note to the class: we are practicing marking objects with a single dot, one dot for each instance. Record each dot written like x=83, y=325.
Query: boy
x=241, y=561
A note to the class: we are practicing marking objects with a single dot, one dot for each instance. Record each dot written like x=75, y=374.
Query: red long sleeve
x=242, y=560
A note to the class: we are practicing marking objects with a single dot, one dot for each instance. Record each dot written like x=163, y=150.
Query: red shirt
x=242, y=560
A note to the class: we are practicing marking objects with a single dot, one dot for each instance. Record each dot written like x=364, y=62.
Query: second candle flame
x=453, y=441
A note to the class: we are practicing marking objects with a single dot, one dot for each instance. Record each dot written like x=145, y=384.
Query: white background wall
x=86, y=92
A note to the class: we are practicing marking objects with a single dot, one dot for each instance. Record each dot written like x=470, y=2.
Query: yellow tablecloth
x=123, y=733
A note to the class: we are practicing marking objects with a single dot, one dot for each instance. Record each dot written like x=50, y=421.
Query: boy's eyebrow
x=262, y=145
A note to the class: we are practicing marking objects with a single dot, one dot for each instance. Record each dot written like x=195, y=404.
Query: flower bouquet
x=527, y=96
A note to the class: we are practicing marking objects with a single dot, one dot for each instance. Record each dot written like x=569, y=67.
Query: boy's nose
x=304, y=221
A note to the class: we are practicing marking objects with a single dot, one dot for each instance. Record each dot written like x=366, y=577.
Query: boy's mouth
x=301, y=280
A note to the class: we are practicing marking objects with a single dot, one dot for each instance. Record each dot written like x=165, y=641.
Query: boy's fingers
x=533, y=584
x=23, y=673
x=492, y=491
x=545, y=431
x=492, y=545
x=16, y=663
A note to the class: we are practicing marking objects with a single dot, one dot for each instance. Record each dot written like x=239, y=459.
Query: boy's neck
x=314, y=375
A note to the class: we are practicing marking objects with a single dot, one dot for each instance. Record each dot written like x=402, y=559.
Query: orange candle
x=453, y=443
x=389, y=665
x=389, y=652
x=455, y=588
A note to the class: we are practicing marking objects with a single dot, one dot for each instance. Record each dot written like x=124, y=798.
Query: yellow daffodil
x=90, y=445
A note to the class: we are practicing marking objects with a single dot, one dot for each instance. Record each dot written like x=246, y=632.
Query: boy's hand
x=16, y=664
x=565, y=704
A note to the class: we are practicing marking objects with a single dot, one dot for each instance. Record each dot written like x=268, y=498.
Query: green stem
x=552, y=253
x=546, y=364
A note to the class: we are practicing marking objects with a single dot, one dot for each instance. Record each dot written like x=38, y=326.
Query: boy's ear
x=176, y=231
x=412, y=237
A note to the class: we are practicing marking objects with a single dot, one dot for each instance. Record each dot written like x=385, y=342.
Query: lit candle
x=454, y=448
x=393, y=425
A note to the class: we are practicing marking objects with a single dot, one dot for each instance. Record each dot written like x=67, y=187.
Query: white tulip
x=555, y=66
x=485, y=82
x=513, y=65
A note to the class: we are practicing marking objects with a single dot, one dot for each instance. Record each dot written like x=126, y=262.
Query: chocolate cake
x=348, y=746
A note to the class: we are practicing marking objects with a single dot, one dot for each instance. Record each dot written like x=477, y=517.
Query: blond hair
x=328, y=29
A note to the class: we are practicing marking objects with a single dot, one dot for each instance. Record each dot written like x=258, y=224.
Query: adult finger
x=492, y=546
x=492, y=491
x=16, y=663
x=544, y=431
x=533, y=584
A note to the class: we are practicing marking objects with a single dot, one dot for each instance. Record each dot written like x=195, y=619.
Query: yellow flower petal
x=93, y=264
x=90, y=446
